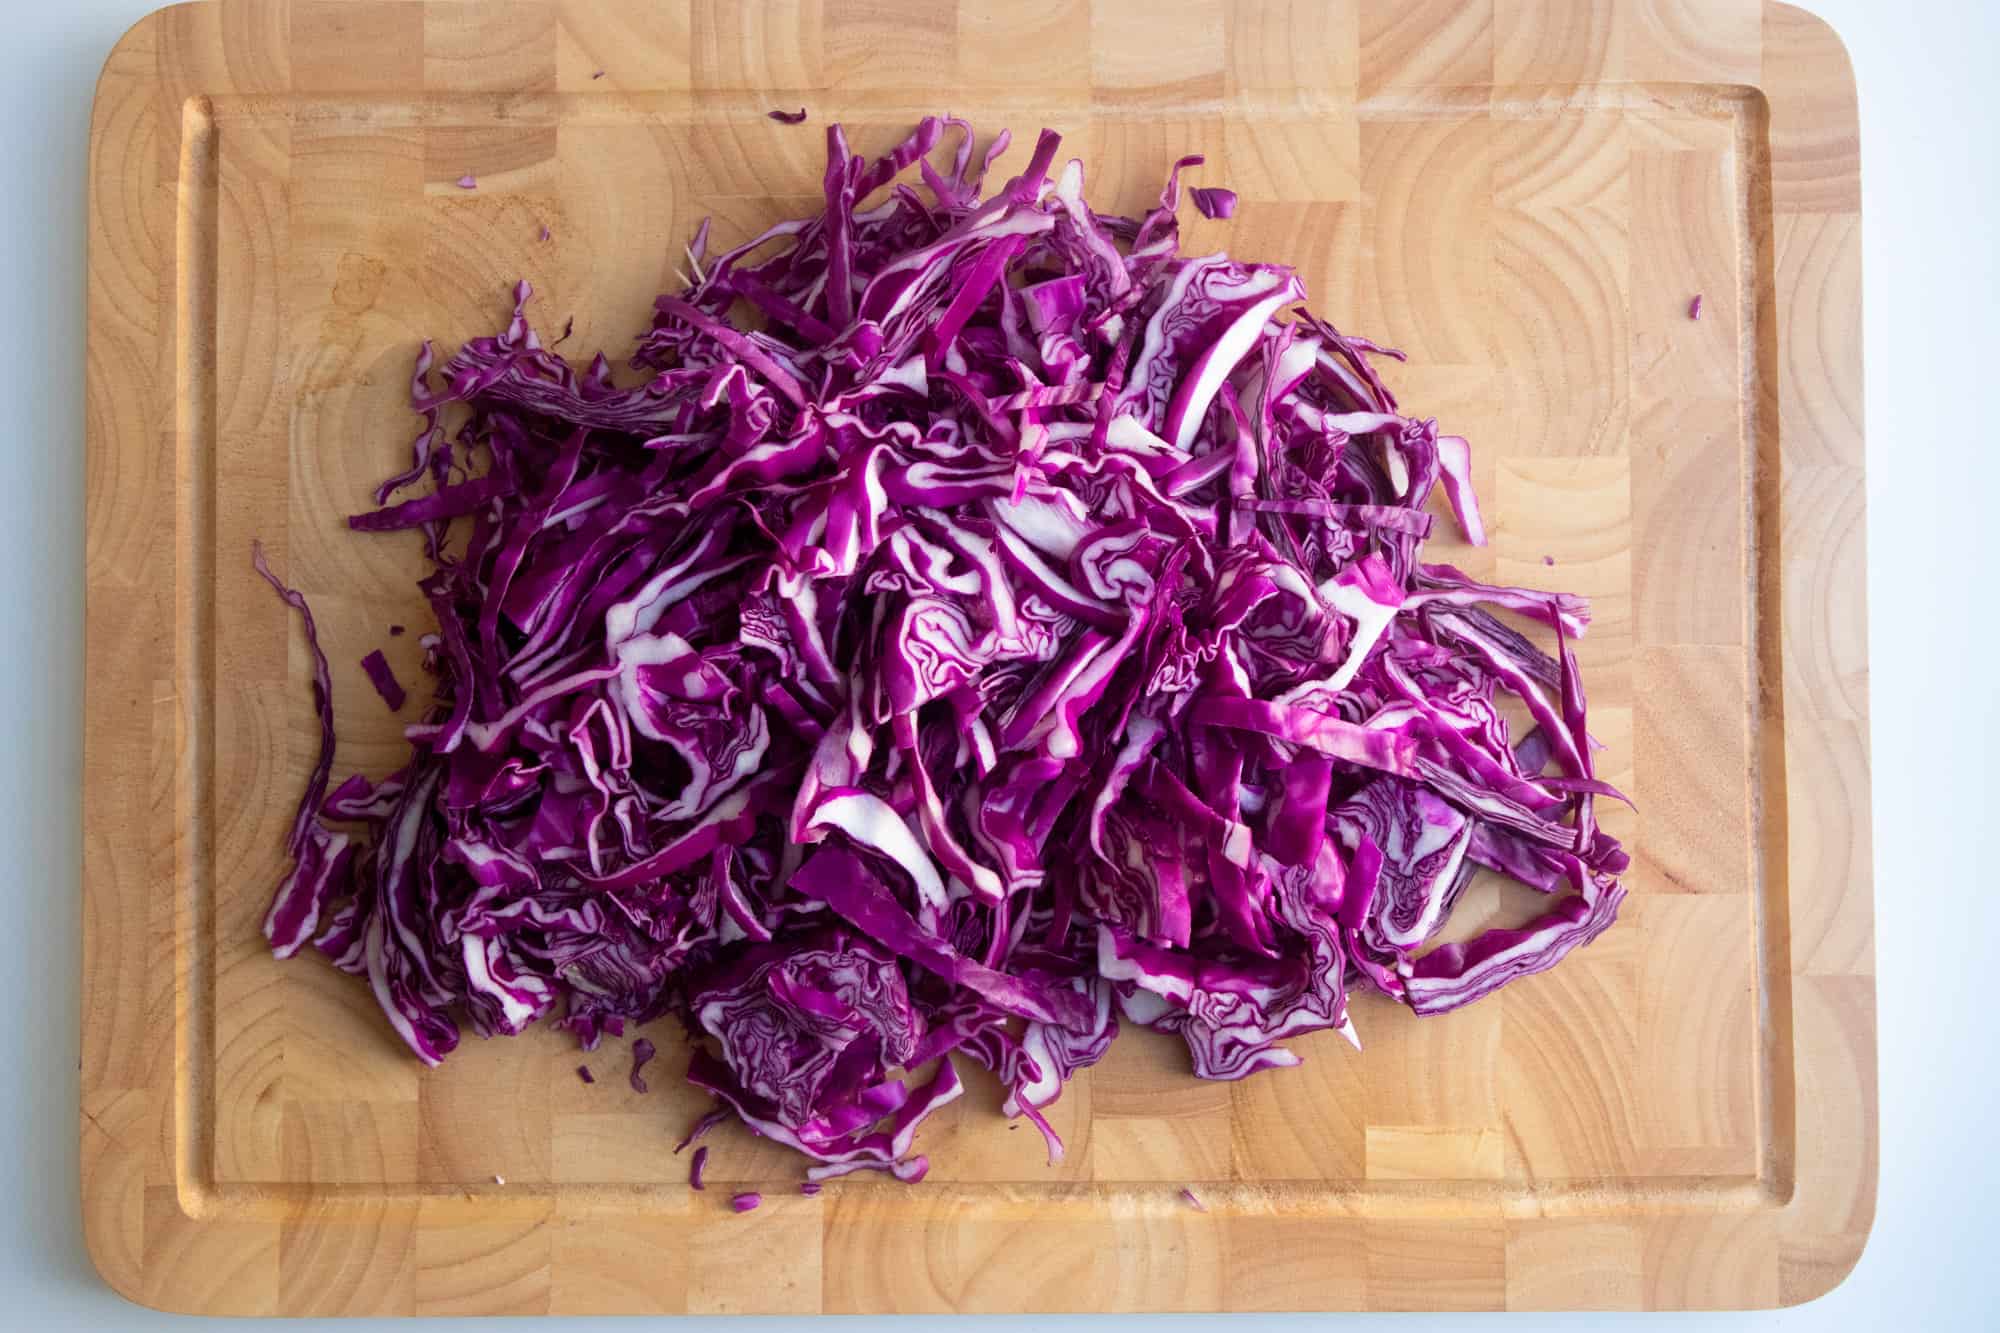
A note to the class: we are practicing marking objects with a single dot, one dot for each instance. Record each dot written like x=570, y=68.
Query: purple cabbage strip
x=701, y=1128
x=383, y=678
x=1019, y=628
x=1214, y=202
x=642, y=1051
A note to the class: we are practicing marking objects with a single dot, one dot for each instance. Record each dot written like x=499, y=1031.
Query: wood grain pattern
x=1522, y=193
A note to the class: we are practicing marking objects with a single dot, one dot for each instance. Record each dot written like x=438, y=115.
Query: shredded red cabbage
x=642, y=1051
x=383, y=678
x=701, y=1128
x=1214, y=203
x=1017, y=626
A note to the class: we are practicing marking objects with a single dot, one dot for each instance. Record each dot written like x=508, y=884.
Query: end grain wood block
x=1521, y=194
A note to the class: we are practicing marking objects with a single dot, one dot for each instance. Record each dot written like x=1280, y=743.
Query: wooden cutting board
x=1523, y=194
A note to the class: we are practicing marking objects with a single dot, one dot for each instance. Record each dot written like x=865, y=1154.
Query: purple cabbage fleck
x=383, y=678
x=642, y=1051
x=1213, y=202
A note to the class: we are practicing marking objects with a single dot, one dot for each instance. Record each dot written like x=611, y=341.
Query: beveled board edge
x=146, y=1226
x=1815, y=712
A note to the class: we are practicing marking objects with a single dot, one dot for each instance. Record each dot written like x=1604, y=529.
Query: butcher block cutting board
x=1524, y=195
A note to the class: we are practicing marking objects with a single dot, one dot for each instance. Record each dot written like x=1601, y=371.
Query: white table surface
x=1929, y=74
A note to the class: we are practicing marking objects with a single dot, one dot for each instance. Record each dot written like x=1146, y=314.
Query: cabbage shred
x=984, y=625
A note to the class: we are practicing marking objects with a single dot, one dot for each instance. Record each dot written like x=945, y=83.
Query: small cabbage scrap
x=1011, y=628
x=383, y=677
x=1214, y=203
x=643, y=1050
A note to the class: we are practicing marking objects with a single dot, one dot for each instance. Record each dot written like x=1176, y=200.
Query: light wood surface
x=1524, y=194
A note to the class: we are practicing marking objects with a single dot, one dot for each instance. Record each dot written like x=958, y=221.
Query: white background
x=1929, y=73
